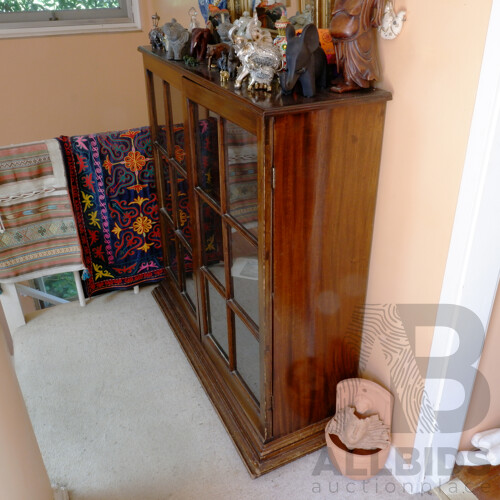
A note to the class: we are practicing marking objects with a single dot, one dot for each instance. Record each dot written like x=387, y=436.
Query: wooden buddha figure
x=354, y=37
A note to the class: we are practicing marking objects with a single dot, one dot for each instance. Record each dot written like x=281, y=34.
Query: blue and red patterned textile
x=112, y=188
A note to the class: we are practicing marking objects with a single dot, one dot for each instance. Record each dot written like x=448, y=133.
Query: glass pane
x=213, y=255
x=183, y=207
x=168, y=190
x=207, y=153
x=245, y=273
x=217, y=318
x=160, y=111
x=242, y=175
x=176, y=101
x=173, y=263
x=189, y=286
x=168, y=99
x=247, y=356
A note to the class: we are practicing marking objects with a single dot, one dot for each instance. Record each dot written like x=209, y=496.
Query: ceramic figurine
x=205, y=6
x=280, y=40
x=353, y=34
x=200, y=38
x=359, y=433
x=223, y=31
x=242, y=23
x=224, y=76
x=178, y=40
x=216, y=51
x=269, y=13
x=217, y=15
x=194, y=22
x=259, y=58
x=306, y=61
x=156, y=35
x=358, y=443
x=301, y=19
x=392, y=23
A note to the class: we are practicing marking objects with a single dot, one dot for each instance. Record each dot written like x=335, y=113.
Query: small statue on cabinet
x=306, y=62
x=353, y=34
x=214, y=52
x=178, y=40
x=223, y=31
x=229, y=62
x=302, y=19
x=207, y=7
x=200, y=39
x=259, y=58
x=241, y=24
x=194, y=22
x=156, y=35
x=269, y=13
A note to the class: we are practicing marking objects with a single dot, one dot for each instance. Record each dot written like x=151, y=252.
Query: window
x=39, y=17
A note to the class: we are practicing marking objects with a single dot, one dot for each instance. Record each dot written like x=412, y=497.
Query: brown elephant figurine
x=353, y=35
x=200, y=38
x=216, y=51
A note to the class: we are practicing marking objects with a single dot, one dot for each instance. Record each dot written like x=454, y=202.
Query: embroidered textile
x=112, y=188
x=38, y=235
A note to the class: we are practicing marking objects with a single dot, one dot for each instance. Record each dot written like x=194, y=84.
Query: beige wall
x=74, y=84
x=432, y=70
x=22, y=473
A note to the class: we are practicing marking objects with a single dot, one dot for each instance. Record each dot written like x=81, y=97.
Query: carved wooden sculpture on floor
x=352, y=29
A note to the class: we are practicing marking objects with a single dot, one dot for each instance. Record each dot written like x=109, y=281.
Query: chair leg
x=12, y=306
x=79, y=287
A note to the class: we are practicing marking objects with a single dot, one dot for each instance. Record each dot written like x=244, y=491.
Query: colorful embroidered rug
x=38, y=236
x=112, y=187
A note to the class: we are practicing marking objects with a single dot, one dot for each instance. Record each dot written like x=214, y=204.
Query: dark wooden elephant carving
x=200, y=38
x=305, y=62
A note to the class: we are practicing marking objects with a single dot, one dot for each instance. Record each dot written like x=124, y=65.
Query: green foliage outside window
x=51, y=5
x=61, y=285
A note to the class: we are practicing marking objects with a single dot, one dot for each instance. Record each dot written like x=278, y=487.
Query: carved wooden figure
x=353, y=34
x=306, y=61
x=200, y=38
x=216, y=51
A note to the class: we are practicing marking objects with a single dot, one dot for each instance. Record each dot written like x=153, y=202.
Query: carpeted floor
x=120, y=415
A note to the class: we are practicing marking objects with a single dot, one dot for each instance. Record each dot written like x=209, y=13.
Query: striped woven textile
x=38, y=236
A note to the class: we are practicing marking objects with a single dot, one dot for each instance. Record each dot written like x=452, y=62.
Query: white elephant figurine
x=178, y=39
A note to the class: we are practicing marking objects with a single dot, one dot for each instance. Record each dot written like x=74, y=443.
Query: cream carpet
x=120, y=415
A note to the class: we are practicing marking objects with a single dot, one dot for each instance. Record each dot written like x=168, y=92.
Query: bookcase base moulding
x=266, y=209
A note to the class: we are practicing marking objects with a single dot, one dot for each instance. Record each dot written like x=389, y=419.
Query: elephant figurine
x=215, y=52
x=200, y=38
x=177, y=40
x=305, y=62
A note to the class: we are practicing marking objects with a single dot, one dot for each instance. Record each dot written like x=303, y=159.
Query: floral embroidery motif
x=142, y=225
x=134, y=161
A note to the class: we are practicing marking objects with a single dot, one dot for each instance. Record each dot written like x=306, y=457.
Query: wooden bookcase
x=266, y=207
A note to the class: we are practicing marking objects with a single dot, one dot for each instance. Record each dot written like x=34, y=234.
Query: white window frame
x=69, y=22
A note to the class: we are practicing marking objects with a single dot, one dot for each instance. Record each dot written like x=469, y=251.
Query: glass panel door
x=226, y=200
x=168, y=133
